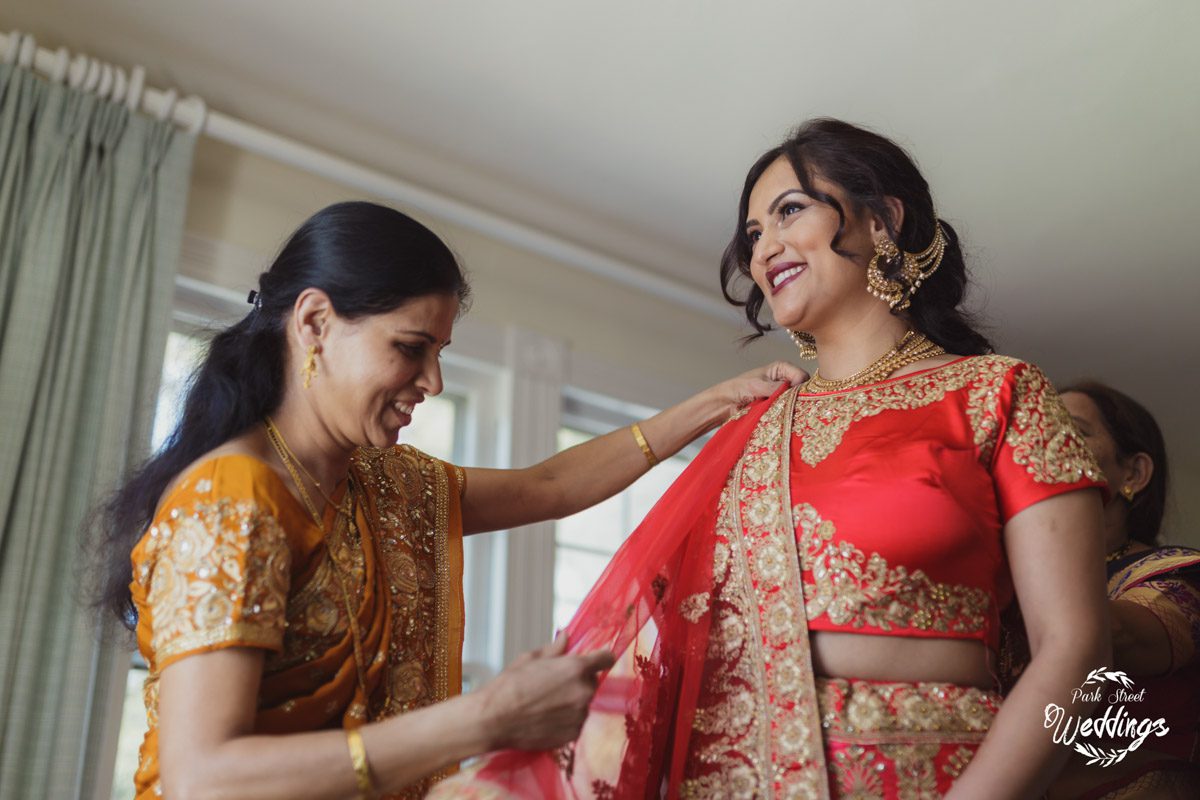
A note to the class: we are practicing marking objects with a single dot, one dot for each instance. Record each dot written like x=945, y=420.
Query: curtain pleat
x=92, y=201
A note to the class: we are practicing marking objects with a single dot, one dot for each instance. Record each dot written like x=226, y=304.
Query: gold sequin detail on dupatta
x=757, y=729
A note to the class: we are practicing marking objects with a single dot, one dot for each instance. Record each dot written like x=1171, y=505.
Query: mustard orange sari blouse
x=233, y=560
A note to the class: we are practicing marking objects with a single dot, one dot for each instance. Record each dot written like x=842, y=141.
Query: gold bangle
x=641, y=440
x=358, y=757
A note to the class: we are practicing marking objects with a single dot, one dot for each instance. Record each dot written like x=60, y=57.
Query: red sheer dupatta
x=651, y=606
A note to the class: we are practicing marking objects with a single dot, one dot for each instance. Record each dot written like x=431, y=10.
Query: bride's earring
x=806, y=342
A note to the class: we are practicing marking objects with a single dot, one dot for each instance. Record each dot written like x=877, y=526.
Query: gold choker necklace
x=913, y=347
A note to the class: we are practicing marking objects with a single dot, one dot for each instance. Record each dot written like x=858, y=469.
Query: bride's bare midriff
x=896, y=658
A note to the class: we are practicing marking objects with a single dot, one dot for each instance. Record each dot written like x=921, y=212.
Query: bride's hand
x=737, y=393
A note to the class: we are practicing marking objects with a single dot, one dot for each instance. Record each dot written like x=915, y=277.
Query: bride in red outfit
x=814, y=609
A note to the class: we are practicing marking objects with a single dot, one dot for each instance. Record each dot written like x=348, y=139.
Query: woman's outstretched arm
x=584, y=475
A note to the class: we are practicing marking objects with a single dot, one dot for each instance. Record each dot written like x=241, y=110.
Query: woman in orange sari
x=297, y=577
x=814, y=609
x=1154, y=600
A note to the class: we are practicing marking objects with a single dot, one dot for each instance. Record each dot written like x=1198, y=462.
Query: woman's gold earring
x=889, y=290
x=309, y=370
x=806, y=342
x=1128, y=492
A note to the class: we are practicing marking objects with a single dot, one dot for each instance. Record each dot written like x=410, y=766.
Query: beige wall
x=1183, y=509
x=252, y=204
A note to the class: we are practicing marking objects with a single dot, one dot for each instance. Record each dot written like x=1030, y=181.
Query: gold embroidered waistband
x=875, y=709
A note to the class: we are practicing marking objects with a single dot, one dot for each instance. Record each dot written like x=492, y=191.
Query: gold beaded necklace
x=913, y=347
x=290, y=463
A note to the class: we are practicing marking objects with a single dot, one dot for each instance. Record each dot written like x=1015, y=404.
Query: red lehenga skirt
x=713, y=694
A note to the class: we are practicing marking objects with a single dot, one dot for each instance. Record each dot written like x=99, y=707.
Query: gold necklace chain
x=278, y=441
x=290, y=462
x=911, y=348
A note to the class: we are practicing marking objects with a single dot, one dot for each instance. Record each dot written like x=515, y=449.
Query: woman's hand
x=540, y=701
x=737, y=393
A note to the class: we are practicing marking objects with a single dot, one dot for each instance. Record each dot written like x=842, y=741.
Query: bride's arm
x=1055, y=552
x=584, y=475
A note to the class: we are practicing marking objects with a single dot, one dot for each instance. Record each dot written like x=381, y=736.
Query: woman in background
x=297, y=577
x=1154, y=600
x=813, y=610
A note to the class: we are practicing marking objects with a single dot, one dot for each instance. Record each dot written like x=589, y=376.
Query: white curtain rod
x=191, y=113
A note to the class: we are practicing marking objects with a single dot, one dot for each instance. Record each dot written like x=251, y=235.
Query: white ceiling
x=1061, y=138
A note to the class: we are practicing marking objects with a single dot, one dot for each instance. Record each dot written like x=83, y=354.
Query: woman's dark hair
x=369, y=259
x=868, y=168
x=1133, y=430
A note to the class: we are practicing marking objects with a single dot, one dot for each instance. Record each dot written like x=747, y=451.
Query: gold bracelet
x=362, y=770
x=642, y=443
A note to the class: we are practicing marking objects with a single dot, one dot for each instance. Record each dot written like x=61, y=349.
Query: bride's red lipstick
x=797, y=266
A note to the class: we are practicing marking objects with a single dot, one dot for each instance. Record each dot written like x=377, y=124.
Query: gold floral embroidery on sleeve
x=1041, y=434
x=218, y=574
x=852, y=589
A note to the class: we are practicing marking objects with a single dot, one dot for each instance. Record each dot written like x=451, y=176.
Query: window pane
x=182, y=356
x=586, y=541
x=133, y=730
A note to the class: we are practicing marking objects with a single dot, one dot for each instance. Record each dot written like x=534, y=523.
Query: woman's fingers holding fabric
x=542, y=702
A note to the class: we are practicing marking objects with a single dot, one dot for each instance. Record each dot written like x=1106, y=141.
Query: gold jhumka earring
x=309, y=370
x=915, y=269
x=806, y=342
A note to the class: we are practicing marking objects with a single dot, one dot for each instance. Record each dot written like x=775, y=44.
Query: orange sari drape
x=233, y=560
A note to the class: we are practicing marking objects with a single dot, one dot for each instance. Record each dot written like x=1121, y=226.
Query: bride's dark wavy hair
x=868, y=168
x=369, y=259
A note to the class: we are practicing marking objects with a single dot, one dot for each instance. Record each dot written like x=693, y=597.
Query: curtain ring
x=93, y=76
x=196, y=112
x=137, y=82
x=27, y=52
x=120, y=84
x=78, y=71
x=168, y=105
x=62, y=61
x=106, y=82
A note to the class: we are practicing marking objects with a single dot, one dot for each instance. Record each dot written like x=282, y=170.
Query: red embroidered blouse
x=902, y=488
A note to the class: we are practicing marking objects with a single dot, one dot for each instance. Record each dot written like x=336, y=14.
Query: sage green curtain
x=92, y=202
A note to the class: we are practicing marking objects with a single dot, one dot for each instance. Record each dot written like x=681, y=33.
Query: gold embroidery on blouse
x=1042, y=436
x=852, y=589
x=220, y=573
x=822, y=420
x=1039, y=430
